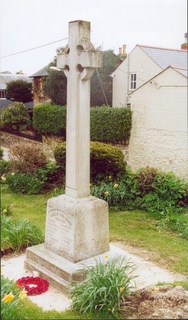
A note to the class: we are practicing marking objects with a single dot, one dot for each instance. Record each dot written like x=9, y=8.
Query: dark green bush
x=1, y=153
x=106, y=160
x=19, y=90
x=49, y=119
x=110, y=124
x=15, y=117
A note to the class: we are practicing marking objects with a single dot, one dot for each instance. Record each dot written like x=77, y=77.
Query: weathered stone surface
x=77, y=228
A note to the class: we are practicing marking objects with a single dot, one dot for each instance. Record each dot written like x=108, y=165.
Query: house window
x=133, y=81
x=2, y=94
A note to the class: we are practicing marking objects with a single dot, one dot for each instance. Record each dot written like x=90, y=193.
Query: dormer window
x=133, y=81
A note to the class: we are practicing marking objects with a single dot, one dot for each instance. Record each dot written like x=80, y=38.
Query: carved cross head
x=79, y=57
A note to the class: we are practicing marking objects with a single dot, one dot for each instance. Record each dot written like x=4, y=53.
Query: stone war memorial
x=77, y=228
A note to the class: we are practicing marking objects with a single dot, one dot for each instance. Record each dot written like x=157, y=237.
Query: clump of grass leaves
x=18, y=234
x=104, y=287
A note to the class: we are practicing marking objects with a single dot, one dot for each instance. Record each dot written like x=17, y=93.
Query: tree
x=56, y=87
x=19, y=90
x=101, y=82
x=56, y=83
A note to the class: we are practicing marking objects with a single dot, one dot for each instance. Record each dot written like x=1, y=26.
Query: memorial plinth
x=77, y=229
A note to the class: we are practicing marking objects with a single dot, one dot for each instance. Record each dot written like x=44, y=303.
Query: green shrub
x=15, y=117
x=123, y=192
x=105, y=286
x=110, y=125
x=5, y=167
x=18, y=234
x=24, y=183
x=60, y=154
x=147, y=189
x=164, y=191
x=1, y=153
x=106, y=160
x=49, y=119
x=27, y=157
x=146, y=177
x=51, y=176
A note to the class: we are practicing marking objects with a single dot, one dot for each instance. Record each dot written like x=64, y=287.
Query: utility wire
x=106, y=101
x=44, y=45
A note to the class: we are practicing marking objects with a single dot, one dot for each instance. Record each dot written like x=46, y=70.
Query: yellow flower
x=90, y=185
x=110, y=177
x=106, y=256
x=155, y=289
x=12, y=174
x=23, y=294
x=115, y=185
x=121, y=289
x=3, y=178
x=4, y=210
x=8, y=298
x=106, y=192
x=109, y=309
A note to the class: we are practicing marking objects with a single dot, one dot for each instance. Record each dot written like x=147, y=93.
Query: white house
x=140, y=65
x=159, y=135
x=154, y=82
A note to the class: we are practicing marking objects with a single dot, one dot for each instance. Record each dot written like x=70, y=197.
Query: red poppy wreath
x=33, y=285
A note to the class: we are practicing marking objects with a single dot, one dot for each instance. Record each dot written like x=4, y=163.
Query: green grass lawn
x=139, y=229
x=135, y=228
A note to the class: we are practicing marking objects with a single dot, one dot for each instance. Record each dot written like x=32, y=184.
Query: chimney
x=184, y=45
x=122, y=51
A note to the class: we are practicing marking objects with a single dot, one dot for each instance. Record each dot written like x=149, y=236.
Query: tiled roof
x=6, y=77
x=165, y=57
x=4, y=103
x=41, y=73
x=182, y=71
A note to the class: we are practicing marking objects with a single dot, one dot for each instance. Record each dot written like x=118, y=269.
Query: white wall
x=159, y=135
x=137, y=62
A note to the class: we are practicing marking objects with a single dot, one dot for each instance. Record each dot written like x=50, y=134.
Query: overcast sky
x=26, y=24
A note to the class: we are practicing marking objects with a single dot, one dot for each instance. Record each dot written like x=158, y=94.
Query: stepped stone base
x=60, y=272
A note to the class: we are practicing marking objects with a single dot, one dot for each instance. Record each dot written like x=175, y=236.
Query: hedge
x=49, y=119
x=110, y=125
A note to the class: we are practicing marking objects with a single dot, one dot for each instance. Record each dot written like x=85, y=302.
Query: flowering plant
x=33, y=285
x=10, y=298
x=105, y=287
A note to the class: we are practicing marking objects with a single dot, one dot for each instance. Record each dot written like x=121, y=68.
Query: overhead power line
x=34, y=48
